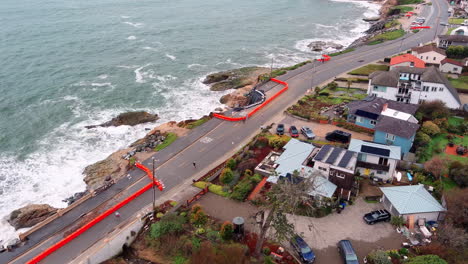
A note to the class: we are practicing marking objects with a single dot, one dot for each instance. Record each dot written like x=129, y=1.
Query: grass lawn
x=449, y=31
x=391, y=35
x=455, y=121
x=456, y=20
x=439, y=143
x=368, y=69
x=461, y=82
x=404, y=8
x=448, y=184
x=197, y=123
x=171, y=137
x=409, y=2
x=341, y=52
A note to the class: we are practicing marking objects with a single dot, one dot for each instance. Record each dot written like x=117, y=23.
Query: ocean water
x=71, y=63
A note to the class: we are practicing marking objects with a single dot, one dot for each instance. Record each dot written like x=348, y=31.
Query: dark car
x=307, y=132
x=339, y=136
x=377, y=216
x=347, y=252
x=300, y=246
x=280, y=129
x=293, y=131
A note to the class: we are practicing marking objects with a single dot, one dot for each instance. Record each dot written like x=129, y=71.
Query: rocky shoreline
x=114, y=167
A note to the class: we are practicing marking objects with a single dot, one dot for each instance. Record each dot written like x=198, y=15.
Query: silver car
x=307, y=132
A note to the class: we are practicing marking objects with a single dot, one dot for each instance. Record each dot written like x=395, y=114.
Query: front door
x=366, y=172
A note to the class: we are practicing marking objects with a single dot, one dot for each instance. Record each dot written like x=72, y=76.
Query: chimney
x=384, y=107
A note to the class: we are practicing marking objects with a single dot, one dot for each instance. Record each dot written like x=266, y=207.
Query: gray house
x=412, y=202
x=445, y=41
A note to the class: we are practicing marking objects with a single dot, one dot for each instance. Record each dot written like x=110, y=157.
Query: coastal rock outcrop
x=30, y=215
x=323, y=45
x=129, y=119
x=110, y=168
x=234, y=79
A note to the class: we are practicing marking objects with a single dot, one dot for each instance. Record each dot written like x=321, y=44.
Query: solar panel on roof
x=345, y=159
x=333, y=155
x=367, y=114
x=322, y=152
x=376, y=151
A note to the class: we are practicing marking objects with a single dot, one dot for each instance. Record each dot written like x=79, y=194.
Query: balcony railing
x=404, y=95
x=372, y=166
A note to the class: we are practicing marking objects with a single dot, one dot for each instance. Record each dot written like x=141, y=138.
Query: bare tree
x=285, y=197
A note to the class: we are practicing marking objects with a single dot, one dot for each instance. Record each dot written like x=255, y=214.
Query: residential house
x=430, y=54
x=451, y=66
x=460, y=31
x=413, y=85
x=412, y=202
x=374, y=159
x=407, y=60
x=445, y=41
x=296, y=159
x=339, y=164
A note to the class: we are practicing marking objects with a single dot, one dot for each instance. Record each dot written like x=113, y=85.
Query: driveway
x=323, y=234
x=320, y=130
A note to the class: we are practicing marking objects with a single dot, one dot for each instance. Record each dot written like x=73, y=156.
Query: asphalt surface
x=205, y=145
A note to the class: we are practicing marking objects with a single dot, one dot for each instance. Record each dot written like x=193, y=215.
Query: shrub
x=430, y=128
x=379, y=257
x=266, y=251
x=180, y=260
x=433, y=110
x=196, y=208
x=403, y=251
x=241, y=190
x=397, y=221
x=248, y=173
x=268, y=260
x=427, y=259
x=200, y=231
x=159, y=215
x=231, y=164
x=459, y=175
x=442, y=123
x=227, y=230
x=422, y=138
x=218, y=189
x=436, y=166
x=168, y=224
x=199, y=218
x=256, y=178
x=226, y=176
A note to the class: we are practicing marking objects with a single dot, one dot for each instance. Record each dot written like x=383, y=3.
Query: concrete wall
x=404, y=143
x=450, y=68
x=365, y=122
x=431, y=57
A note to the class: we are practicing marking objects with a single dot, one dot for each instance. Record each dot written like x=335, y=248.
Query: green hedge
x=214, y=188
x=170, y=137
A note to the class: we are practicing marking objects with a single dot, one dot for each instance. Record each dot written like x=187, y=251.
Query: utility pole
x=154, y=189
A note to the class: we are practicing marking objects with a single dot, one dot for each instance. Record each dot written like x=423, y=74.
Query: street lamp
x=153, y=185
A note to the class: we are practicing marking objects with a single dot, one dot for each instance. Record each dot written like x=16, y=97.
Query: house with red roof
x=451, y=66
x=407, y=60
x=430, y=54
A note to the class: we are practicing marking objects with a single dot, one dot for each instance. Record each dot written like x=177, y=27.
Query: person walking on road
x=117, y=214
x=194, y=165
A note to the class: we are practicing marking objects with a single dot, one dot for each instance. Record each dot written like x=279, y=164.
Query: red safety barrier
x=87, y=226
x=420, y=27
x=286, y=86
x=324, y=58
x=158, y=184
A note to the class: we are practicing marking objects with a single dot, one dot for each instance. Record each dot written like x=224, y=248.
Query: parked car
x=280, y=129
x=377, y=216
x=444, y=24
x=347, y=252
x=293, y=131
x=338, y=136
x=307, y=132
x=303, y=250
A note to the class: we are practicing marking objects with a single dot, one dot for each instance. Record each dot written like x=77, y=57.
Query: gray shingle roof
x=428, y=48
x=375, y=105
x=396, y=126
x=412, y=199
x=385, y=78
x=454, y=38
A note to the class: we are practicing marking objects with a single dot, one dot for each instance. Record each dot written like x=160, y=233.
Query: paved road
x=205, y=146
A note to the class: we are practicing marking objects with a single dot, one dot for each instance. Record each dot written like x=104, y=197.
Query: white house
x=451, y=66
x=412, y=202
x=413, y=85
x=430, y=54
x=374, y=159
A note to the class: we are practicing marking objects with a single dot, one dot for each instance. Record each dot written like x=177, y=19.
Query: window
x=434, y=89
x=322, y=168
x=421, y=101
x=434, y=58
x=427, y=57
x=441, y=89
x=360, y=119
x=425, y=88
x=340, y=175
x=454, y=69
x=380, y=172
x=362, y=157
x=421, y=57
x=383, y=161
x=373, y=122
x=399, y=99
x=390, y=137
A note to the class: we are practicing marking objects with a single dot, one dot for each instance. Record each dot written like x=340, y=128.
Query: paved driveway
x=323, y=234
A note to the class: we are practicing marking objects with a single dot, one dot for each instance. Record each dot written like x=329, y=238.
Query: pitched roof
x=418, y=63
x=357, y=144
x=412, y=199
x=454, y=62
x=396, y=126
x=454, y=38
x=385, y=78
x=295, y=153
x=338, y=157
x=428, y=48
x=435, y=76
x=322, y=187
x=373, y=104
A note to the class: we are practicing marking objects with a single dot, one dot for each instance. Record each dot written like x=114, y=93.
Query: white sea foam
x=229, y=61
x=172, y=57
x=103, y=76
x=140, y=74
x=125, y=17
x=372, y=7
x=190, y=66
x=131, y=38
x=150, y=48
x=137, y=25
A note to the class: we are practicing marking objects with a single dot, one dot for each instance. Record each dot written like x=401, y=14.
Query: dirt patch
x=453, y=151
